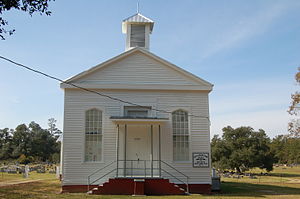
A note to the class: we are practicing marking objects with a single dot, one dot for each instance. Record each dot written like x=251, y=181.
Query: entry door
x=138, y=150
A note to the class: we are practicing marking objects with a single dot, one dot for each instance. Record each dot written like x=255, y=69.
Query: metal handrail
x=145, y=168
x=103, y=176
x=173, y=176
x=174, y=168
x=100, y=178
x=187, y=177
x=101, y=168
x=98, y=170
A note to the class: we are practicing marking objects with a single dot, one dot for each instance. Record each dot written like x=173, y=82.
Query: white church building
x=136, y=124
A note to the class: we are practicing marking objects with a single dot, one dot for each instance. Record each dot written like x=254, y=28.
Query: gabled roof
x=147, y=53
x=137, y=18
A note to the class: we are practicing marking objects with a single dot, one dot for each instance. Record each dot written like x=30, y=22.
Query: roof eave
x=102, y=86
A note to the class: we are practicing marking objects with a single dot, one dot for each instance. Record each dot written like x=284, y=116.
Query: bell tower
x=137, y=29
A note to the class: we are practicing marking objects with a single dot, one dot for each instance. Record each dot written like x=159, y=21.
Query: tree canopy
x=241, y=149
x=286, y=149
x=29, y=143
x=28, y=6
x=294, y=125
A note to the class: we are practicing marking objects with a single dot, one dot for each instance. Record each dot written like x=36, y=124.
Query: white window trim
x=136, y=108
x=151, y=112
x=188, y=110
x=100, y=108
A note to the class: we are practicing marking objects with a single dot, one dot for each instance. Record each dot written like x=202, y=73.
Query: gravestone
x=57, y=172
x=26, y=171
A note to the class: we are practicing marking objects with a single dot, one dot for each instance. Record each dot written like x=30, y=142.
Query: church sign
x=200, y=159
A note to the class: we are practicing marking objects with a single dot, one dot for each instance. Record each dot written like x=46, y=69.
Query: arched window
x=180, y=124
x=93, y=135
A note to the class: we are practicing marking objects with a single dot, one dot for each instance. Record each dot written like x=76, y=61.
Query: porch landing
x=138, y=186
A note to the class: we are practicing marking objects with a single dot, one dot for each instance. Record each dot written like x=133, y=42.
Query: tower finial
x=137, y=7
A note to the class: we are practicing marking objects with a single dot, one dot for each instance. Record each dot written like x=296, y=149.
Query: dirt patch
x=294, y=181
x=15, y=182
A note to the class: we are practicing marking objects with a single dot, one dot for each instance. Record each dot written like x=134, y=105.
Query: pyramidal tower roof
x=137, y=18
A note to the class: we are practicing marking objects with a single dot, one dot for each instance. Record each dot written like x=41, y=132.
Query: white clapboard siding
x=75, y=170
x=137, y=69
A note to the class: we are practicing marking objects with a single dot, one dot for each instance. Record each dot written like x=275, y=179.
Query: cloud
x=246, y=28
x=15, y=100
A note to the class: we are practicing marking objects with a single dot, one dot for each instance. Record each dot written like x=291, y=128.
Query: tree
x=22, y=141
x=278, y=147
x=294, y=108
x=52, y=127
x=43, y=143
x=286, y=149
x=29, y=6
x=6, y=148
x=28, y=144
x=241, y=149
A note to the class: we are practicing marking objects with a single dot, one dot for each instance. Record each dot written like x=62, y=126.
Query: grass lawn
x=282, y=183
x=6, y=177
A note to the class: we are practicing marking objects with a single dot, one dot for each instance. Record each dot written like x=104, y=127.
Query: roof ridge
x=139, y=14
x=145, y=17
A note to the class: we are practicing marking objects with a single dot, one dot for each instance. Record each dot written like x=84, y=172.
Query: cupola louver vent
x=137, y=35
x=137, y=29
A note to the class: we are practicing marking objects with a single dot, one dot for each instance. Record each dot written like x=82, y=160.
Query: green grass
x=7, y=177
x=278, y=171
x=281, y=184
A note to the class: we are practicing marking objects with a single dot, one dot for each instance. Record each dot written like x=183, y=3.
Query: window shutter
x=137, y=36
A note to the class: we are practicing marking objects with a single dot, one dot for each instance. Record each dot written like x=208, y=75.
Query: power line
x=91, y=91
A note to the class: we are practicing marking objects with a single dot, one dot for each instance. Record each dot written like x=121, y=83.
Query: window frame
x=136, y=108
x=84, y=136
x=188, y=134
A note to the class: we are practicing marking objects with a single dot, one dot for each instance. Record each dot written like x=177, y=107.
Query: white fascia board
x=139, y=87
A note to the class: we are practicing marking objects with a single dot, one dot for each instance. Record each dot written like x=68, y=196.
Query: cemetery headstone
x=26, y=171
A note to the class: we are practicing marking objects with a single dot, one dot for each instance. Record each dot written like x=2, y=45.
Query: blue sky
x=249, y=50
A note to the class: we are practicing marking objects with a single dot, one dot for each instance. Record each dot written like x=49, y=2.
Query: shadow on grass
x=258, y=190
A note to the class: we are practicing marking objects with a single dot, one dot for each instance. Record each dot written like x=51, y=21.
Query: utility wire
x=92, y=91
